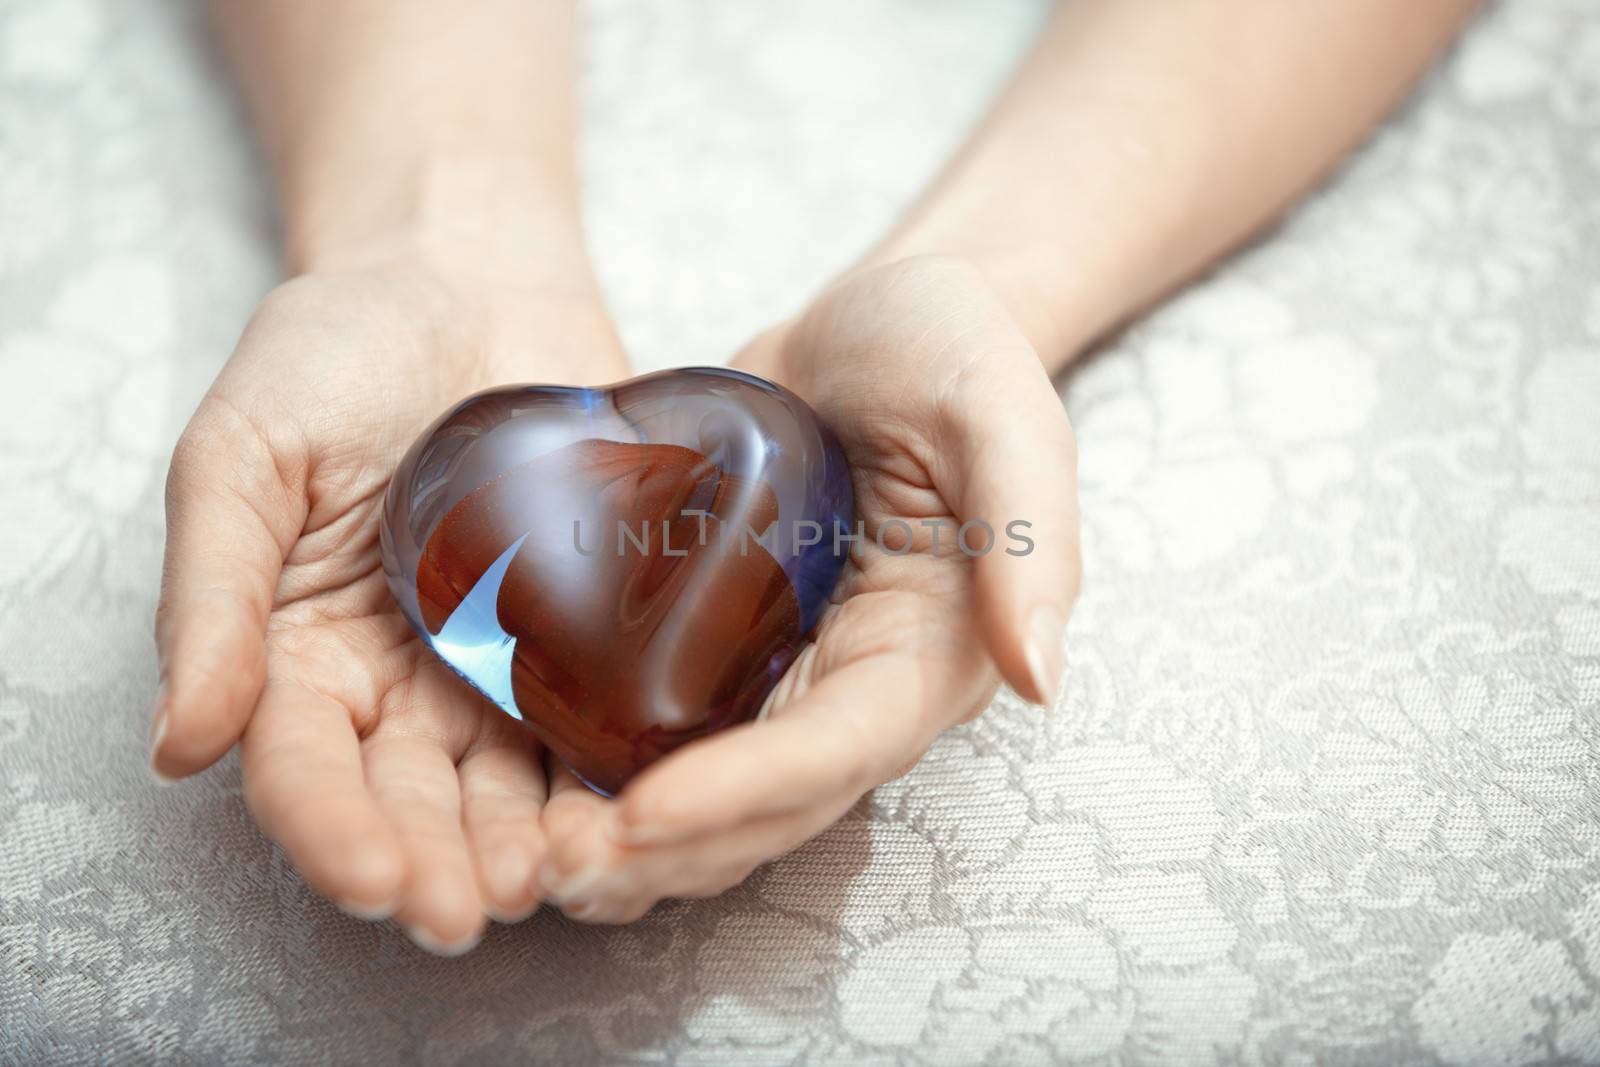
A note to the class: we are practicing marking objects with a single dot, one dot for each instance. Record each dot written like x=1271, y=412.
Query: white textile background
x=1323, y=785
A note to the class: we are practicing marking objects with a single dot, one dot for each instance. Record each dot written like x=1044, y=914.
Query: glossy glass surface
x=622, y=570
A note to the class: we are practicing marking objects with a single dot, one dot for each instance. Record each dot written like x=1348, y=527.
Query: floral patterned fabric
x=1323, y=783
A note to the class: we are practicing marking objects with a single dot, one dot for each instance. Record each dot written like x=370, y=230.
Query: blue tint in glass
x=626, y=569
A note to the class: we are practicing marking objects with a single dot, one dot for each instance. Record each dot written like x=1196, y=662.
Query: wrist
x=483, y=220
x=530, y=322
x=1033, y=283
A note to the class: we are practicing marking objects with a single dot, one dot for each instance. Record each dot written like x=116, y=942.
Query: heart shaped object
x=622, y=570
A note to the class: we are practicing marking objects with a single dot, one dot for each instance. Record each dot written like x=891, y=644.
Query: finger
x=845, y=735
x=1013, y=480
x=573, y=825
x=231, y=517
x=629, y=881
x=573, y=815
x=502, y=793
x=413, y=779
x=304, y=784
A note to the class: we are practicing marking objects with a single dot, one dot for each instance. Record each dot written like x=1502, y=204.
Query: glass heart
x=622, y=570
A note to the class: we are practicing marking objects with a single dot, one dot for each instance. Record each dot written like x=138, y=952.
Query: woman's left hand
x=948, y=418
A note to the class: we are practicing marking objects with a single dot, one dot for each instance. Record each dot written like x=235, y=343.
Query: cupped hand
x=391, y=785
x=947, y=418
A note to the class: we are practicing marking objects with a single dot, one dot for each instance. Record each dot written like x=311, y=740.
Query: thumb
x=231, y=517
x=1013, y=482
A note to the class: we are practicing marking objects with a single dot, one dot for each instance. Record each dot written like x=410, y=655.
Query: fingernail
x=158, y=733
x=510, y=917
x=428, y=943
x=512, y=871
x=373, y=871
x=1042, y=651
x=368, y=912
x=561, y=890
x=510, y=876
x=582, y=912
x=623, y=831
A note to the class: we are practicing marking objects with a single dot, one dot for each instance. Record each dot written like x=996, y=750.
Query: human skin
x=1136, y=144
x=431, y=230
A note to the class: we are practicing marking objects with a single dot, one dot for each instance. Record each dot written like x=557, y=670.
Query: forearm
x=416, y=128
x=1144, y=138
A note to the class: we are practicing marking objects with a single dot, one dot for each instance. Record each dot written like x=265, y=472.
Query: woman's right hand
x=392, y=786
